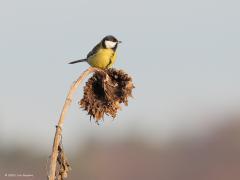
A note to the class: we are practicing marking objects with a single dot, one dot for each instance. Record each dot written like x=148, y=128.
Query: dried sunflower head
x=105, y=91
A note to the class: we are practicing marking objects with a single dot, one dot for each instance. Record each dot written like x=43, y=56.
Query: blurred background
x=183, y=122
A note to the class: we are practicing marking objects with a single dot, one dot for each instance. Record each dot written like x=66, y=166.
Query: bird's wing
x=94, y=50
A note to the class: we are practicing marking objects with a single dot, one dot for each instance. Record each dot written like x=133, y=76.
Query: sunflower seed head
x=105, y=91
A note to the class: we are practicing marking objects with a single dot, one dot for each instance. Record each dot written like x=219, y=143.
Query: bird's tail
x=77, y=61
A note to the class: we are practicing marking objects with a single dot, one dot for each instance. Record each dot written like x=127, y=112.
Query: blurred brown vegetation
x=212, y=157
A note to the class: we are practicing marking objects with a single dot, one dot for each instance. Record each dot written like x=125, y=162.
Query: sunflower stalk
x=103, y=94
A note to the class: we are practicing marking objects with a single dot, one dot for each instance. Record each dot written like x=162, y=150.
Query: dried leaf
x=63, y=165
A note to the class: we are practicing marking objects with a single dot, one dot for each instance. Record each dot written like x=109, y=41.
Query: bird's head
x=110, y=42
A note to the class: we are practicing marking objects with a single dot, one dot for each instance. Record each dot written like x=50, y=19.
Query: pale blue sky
x=183, y=57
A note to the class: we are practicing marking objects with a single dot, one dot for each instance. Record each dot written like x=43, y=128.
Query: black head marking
x=109, y=38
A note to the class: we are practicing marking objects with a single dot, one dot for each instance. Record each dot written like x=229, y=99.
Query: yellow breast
x=103, y=59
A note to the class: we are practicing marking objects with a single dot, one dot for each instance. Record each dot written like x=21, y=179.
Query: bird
x=103, y=55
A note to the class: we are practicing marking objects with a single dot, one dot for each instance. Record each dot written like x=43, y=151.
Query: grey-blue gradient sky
x=183, y=57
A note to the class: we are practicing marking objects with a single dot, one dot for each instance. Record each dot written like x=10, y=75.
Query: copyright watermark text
x=17, y=175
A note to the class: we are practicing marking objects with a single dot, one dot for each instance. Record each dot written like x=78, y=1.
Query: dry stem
x=58, y=133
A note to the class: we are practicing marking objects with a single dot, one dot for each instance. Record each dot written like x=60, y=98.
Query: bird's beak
x=119, y=42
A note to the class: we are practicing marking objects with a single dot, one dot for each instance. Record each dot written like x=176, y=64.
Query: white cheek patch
x=110, y=44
